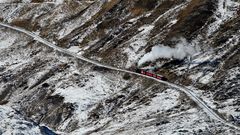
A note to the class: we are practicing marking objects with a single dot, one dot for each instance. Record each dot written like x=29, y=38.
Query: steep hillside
x=193, y=43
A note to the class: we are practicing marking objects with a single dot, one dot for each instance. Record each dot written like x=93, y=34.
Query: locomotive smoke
x=182, y=50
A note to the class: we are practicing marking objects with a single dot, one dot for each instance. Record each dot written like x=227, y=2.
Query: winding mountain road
x=187, y=91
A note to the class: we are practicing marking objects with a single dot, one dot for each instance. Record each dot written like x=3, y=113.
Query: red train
x=144, y=72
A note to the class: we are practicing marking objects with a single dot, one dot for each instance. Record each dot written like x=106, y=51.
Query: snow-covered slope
x=49, y=87
x=13, y=123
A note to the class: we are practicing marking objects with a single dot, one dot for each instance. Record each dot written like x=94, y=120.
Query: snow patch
x=13, y=123
x=233, y=73
x=59, y=1
x=225, y=11
x=196, y=76
x=88, y=14
x=140, y=40
x=6, y=42
x=207, y=78
x=91, y=90
x=74, y=49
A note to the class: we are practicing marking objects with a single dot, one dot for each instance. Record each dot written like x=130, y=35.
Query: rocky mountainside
x=193, y=43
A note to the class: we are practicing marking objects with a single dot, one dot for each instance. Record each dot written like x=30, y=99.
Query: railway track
x=187, y=91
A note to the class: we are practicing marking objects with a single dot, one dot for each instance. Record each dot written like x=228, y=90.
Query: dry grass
x=105, y=8
x=188, y=10
x=137, y=11
x=141, y=6
x=225, y=32
x=22, y=23
x=185, y=80
x=191, y=19
x=37, y=1
x=26, y=24
x=171, y=76
x=146, y=4
x=3, y=102
x=109, y=5
x=72, y=7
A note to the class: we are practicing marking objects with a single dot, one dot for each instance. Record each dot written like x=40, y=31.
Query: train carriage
x=159, y=77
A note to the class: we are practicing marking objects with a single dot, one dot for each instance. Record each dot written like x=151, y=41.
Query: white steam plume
x=182, y=50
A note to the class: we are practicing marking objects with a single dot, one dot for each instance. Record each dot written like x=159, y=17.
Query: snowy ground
x=86, y=89
x=226, y=9
x=13, y=123
x=134, y=51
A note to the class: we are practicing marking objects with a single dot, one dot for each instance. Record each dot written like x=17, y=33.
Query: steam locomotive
x=147, y=73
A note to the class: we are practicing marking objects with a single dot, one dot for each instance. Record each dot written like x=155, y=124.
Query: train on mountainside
x=147, y=73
